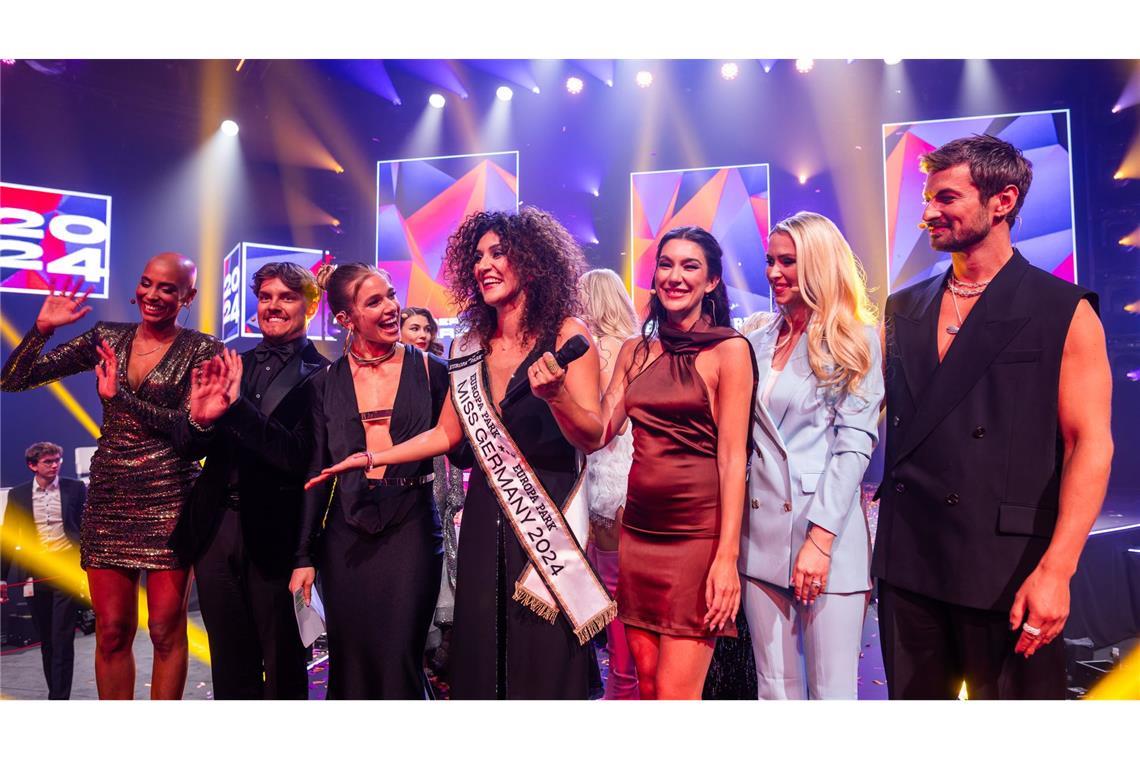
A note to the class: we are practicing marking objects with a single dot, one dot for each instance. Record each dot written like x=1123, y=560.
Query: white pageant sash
x=558, y=576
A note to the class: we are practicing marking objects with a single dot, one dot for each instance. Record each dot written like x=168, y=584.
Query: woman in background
x=418, y=327
x=805, y=549
x=610, y=316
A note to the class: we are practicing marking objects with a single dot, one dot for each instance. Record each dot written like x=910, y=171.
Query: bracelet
x=194, y=424
x=371, y=461
x=817, y=546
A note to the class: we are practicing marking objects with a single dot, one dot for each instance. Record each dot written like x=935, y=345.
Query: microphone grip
x=571, y=350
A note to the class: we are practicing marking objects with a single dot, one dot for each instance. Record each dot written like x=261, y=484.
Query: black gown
x=499, y=648
x=380, y=552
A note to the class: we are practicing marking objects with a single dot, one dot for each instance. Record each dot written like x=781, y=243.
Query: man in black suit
x=43, y=515
x=242, y=521
x=998, y=446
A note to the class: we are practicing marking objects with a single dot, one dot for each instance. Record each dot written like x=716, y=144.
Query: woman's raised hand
x=63, y=306
x=107, y=370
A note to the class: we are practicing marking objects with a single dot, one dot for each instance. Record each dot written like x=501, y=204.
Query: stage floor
x=21, y=673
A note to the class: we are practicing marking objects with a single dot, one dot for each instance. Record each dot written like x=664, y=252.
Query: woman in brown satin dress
x=687, y=385
x=138, y=482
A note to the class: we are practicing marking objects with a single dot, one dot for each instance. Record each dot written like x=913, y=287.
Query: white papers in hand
x=310, y=618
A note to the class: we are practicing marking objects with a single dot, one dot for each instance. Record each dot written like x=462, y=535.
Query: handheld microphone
x=133, y=301
x=571, y=350
x=923, y=226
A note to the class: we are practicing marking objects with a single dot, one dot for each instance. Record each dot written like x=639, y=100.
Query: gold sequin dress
x=138, y=482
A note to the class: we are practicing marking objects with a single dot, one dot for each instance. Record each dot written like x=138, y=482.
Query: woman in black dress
x=516, y=276
x=377, y=542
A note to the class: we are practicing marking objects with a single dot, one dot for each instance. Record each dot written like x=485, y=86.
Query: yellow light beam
x=61, y=393
x=62, y=570
x=211, y=210
x=1122, y=683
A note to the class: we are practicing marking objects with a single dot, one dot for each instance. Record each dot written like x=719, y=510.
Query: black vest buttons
x=979, y=432
x=900, y=487
x=895, y=421
x=952, y=499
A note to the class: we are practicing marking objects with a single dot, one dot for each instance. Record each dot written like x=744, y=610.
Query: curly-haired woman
x=516, y=279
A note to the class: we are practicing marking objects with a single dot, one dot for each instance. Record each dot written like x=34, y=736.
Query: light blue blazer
x=810, y=455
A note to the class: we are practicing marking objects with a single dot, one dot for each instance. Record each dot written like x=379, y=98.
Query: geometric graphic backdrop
x=50, y=238
x=731, y=202
x=1043, y=231
x=422, y=201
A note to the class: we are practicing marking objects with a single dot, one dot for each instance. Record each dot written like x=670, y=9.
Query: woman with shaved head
x=138, y=481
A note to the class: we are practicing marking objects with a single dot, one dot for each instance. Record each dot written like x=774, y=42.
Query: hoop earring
x=712, y=307
x=347, y=340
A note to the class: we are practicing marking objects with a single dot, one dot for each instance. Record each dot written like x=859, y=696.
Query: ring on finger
x=551, y=365
x=1030, y=630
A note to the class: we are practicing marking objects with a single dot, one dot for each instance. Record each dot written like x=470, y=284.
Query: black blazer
x=972, y=470
x=19, y=521
x=271, y=440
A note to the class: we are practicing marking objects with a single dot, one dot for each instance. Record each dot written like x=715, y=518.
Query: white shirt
x=766, y=394
x=47, y=511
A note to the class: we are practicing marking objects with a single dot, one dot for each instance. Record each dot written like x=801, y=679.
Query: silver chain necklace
x=965, y=290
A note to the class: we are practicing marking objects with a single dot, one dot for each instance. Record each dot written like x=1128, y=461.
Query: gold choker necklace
x=374, y=360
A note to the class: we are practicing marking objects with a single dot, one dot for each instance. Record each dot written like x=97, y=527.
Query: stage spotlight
x=803, y=178
x=1133, y=308
x=729, y=71
x=892, y=61
x=436, y=100
x=504, y=93
x=574, y=85
x=644, y=79
x=804, y=65
x=229, y=127
x=535, y=90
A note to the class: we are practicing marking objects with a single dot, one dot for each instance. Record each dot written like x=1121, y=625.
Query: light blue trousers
x=804, y=652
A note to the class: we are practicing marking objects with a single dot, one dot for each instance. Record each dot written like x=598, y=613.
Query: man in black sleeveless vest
x=998, y=446
x=242, y=522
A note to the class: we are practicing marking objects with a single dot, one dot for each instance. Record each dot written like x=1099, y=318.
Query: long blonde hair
x=834, y=286
x=606, y=305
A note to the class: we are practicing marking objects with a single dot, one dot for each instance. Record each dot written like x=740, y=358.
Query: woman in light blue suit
x=805, y=547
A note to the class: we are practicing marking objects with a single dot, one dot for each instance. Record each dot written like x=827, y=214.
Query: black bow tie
x=264, y=351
